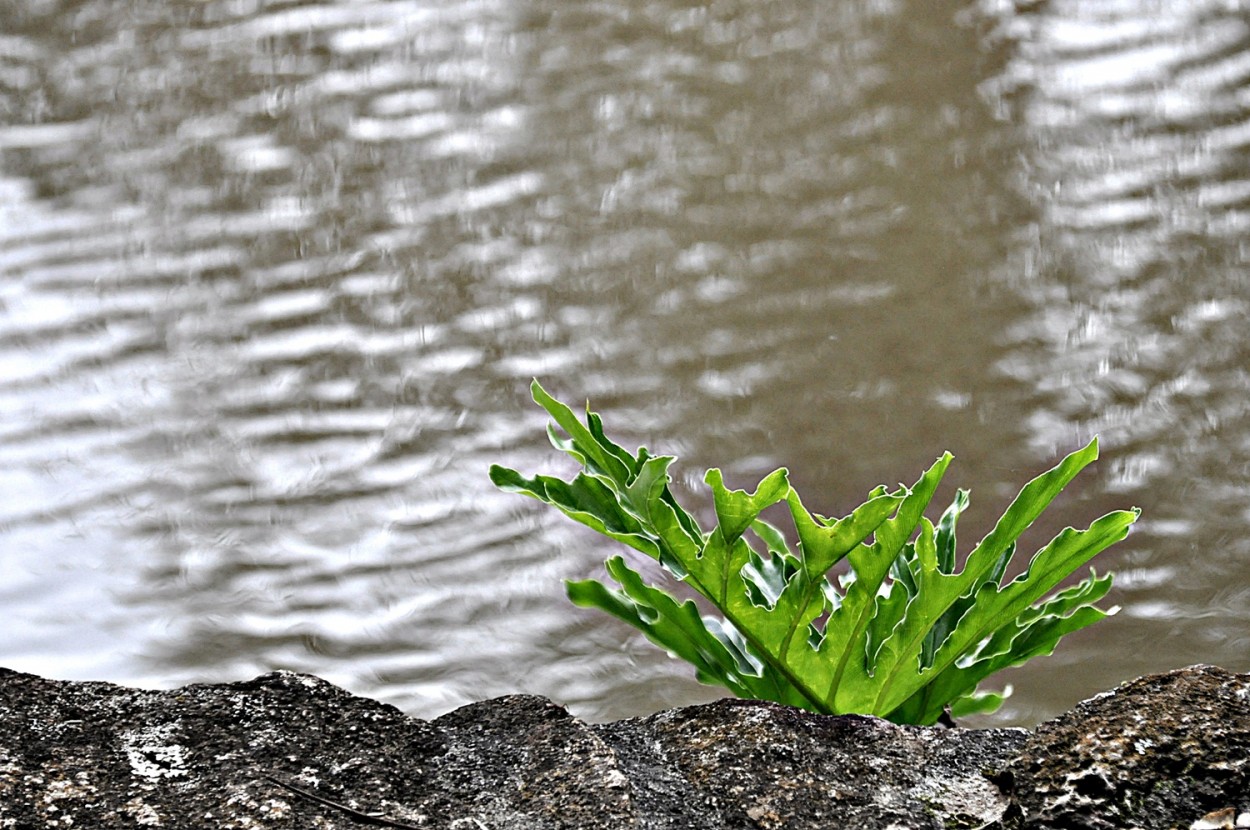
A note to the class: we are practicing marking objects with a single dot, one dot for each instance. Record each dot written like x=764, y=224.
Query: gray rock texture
x=287, y=750
x=1158, y=752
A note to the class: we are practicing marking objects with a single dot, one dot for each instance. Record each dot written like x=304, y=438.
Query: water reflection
x=275, y=278
x=1138, y=279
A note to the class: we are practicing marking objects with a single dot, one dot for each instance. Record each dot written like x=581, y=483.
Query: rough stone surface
x=1158, y=752
x=293, y=751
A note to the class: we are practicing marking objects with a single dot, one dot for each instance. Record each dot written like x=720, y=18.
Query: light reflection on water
x=274, y=279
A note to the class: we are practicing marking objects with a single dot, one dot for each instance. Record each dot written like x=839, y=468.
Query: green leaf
x=870, y=613
x=715, y=653
x=736, y=509
x=898, y=660
x=825, y=544
x=845, y=645
x=1022, y=511
x=600, y=456
x=676, y=628
x=946, y=532
x=981, y=703
x=772, y=538
x=584, y=500
x=993, y=607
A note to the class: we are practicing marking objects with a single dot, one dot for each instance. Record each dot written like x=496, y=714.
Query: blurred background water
x=275, y=276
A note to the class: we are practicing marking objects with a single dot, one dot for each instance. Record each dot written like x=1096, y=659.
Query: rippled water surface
x=274, y=278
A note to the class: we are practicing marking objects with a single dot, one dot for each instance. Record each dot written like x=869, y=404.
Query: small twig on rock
x=359, y=815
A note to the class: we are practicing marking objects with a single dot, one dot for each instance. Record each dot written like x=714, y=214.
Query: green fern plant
x=902, y=632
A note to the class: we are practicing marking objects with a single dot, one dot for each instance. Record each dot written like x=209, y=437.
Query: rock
x=1158, y=752
x=287, y=750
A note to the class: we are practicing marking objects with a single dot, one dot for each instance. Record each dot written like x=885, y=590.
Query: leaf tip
x=505, y=478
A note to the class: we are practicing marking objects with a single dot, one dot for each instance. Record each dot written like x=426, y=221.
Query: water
x=274, y=278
